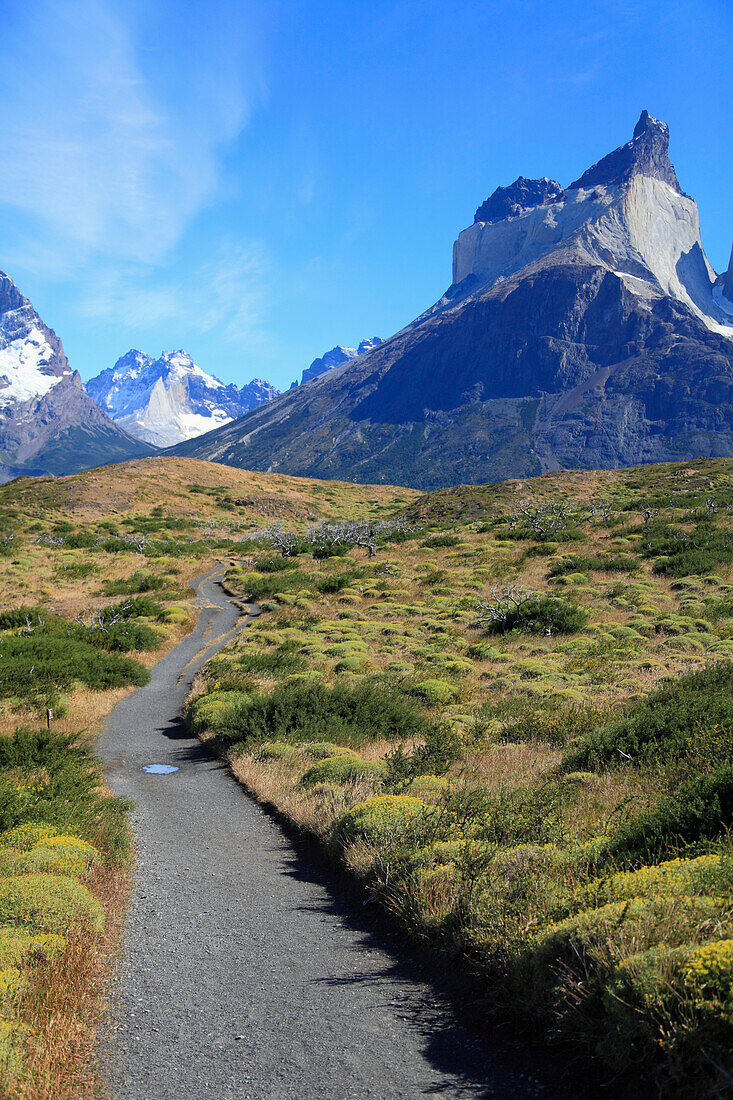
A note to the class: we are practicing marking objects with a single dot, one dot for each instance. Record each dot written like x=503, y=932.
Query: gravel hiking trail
x=246, y=970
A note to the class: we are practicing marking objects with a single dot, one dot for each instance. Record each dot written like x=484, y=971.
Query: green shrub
x=541, y=615
x=275, y=750
x=664, y=726
x=436, y=692
x=49, y=903
x=140, y=581
x=438, y=542
x=578, y=563
x=283, y=660
x=700, y=809
x=217, y=710
x=377, y=820
x=71, y=799
x=341, y=769
x=300, y=710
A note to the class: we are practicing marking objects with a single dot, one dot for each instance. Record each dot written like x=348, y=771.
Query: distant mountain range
x=335, y=357
x=48, y=423
x=166, y=400
x=584, y=327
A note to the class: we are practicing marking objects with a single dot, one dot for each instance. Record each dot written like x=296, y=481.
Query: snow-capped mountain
x=583, y=328
x=48, y=424
x=335, y=357
x=164, y=401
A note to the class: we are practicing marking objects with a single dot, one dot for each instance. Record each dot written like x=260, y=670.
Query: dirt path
x=244, y=973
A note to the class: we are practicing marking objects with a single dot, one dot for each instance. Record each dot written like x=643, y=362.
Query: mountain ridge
x=165, y=400
x=47, y=420
x=582, y=329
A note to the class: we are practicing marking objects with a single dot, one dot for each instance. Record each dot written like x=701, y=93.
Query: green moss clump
x=341, y=769
x=436, y=691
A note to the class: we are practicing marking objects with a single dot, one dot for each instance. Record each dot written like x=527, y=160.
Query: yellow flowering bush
x=711, y=966
x=49, y=903
x=23, y=837
x=705, y=874
x=377, y=819
x=61, y=855
x=18, y=945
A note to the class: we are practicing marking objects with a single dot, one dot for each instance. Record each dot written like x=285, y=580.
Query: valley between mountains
x=501, y=711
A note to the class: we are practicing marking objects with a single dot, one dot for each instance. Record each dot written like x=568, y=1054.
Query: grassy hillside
x=94, y=572
x=510, y=715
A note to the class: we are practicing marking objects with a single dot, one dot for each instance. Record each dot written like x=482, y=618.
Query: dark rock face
x=727, y=280
x=255, y=393
x=577, y=357
x=647, y=154
x=48, y=423
x=522, y=195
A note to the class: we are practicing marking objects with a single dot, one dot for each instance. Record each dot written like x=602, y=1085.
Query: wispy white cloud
x=110, y=146
x=225, y=294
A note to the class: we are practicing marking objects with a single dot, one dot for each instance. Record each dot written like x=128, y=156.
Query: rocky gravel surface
x=246, y=970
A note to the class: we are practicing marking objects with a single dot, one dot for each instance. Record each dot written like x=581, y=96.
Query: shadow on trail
x=450, y=1014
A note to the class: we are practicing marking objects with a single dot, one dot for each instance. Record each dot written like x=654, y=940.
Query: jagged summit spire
x=647, y=154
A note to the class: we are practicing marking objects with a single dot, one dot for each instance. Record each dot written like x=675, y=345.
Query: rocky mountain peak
x=165, y=400
x=647, y=154
x=335, y=357
x=517, y=198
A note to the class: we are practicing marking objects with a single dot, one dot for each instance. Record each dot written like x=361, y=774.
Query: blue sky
x=258, y=181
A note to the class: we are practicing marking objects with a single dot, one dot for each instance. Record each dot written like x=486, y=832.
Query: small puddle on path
x=159, y=769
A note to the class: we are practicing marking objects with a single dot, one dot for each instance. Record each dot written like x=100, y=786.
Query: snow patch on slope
x=24, y=368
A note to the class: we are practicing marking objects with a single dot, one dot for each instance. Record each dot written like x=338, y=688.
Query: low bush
x=140, y=581
x=69, y=798
x=220, y=711
x=18, y=945
x=341, y=769
x=303, y=710
x=283, y=660
x=438, y=542
x=436, y=691
x=578, y=563
x=708, y=874
x=666, y=725
x=319, y=750
x=377, y=820
x=49, y=903
x=698, y=811
x=275, y=750
x=540, y=615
